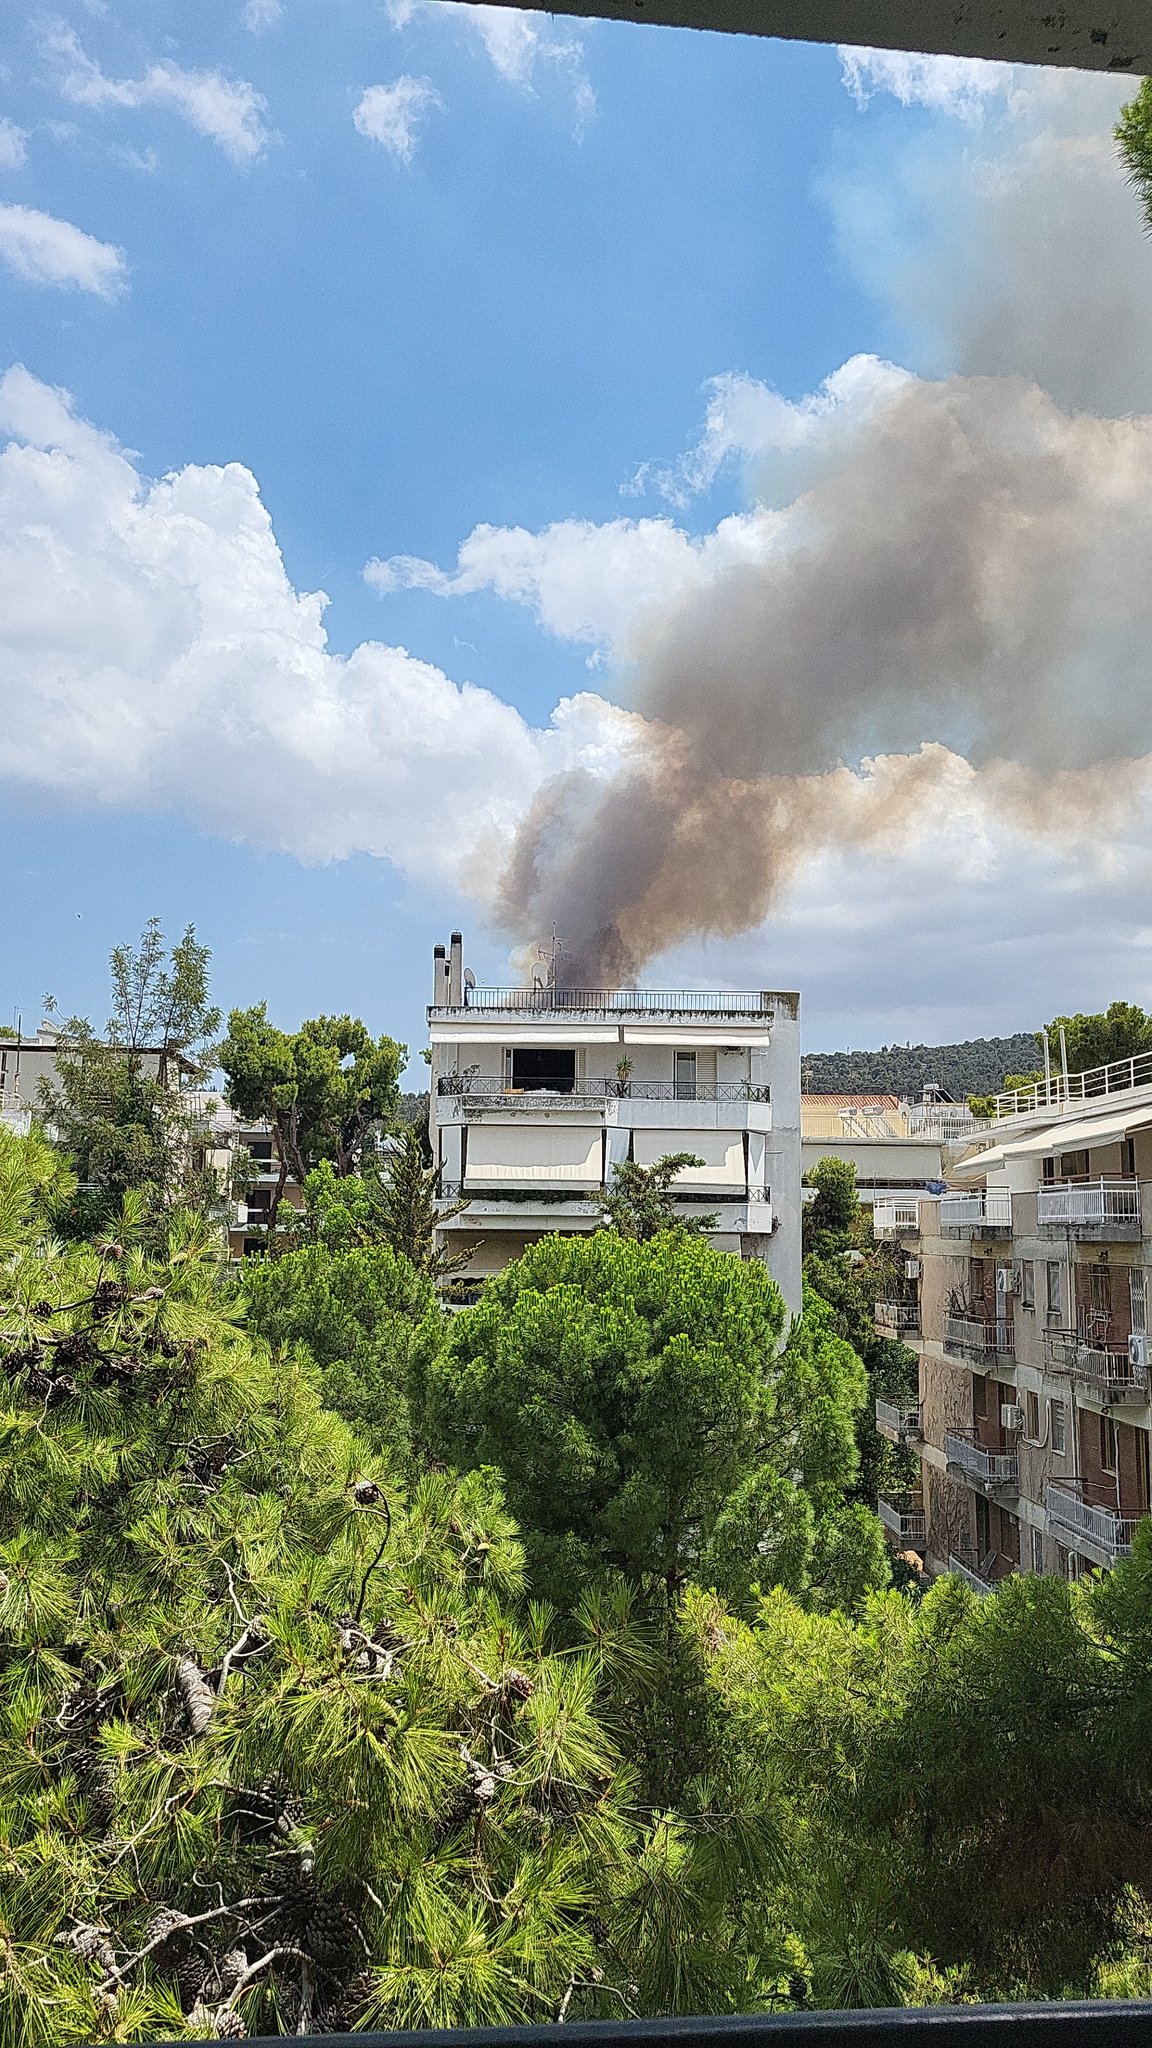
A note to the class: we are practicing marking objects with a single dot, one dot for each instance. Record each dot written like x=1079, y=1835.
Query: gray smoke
x=975, y=575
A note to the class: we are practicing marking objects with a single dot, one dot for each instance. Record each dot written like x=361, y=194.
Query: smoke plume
x=971, y=576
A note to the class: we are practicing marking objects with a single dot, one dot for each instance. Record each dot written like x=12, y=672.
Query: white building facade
x=536, y=1094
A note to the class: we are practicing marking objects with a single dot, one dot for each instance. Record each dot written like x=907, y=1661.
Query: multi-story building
x=538, y=1093
x=896, y=1146
x=1027, y=1301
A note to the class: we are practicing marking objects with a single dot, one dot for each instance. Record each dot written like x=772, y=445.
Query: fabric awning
x=721, y=1151
x=524, y=1034
x=1066, y=1136
x=533, y=1153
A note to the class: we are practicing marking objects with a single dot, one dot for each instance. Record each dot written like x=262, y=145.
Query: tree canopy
x=639, y=1201
x=1134, y=139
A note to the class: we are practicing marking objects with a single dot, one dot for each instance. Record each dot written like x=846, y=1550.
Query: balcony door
x=684, y=1077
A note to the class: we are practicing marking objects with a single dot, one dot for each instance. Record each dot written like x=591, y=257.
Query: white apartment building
x=1028, y=1283
x=537, y=1093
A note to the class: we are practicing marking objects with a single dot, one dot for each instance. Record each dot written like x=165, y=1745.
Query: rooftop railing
x=1059, y=1093
x=1089, y=1201
x=1104, y=1528
x=681, y=1001
x=989, y=1469
x=984, y=1208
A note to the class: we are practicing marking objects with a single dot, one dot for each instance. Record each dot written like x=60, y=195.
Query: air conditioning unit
x=1007, y=1279
x=1011, y=1416
x=911, y=1269
x=1138, y=1349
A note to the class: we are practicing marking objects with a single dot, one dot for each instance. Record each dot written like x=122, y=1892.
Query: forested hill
x=976, y=1067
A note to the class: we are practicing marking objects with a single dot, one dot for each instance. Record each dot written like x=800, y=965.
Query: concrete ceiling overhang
x=1109, y=37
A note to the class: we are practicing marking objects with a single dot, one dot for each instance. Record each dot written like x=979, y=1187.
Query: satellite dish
x=469, y=978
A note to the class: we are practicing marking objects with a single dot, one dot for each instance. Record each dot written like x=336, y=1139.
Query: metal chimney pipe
x=439, y=970
x=456, y=970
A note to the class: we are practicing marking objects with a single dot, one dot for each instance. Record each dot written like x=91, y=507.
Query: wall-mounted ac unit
x=1011, y=1416
x=1138, y=1349
x=1007, y=1279
x=911, y=1269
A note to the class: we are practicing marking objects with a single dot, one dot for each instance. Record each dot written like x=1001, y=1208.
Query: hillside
x=975, y=1067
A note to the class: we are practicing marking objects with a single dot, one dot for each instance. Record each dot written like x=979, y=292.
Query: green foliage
x=832, y=1219
x=356, y=1311
x=639, y=1203
x=1116, y=1033
x=635, y=1398
x=324, y=1089
x=1134, y=139
x=972, y=1067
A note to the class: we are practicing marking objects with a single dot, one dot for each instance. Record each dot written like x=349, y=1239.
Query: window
x=1128, y=1157
x=1073, y=1164
x=1032, y=1405
x=1109, y=1444
x=685, y=1074
x=1037, y=1550
x=980, y=1399
x=1048, y=1169
x=1028, y=1284
x=1056, y=1427
x=544, y=1066
x=1138, y=1295
x=1054, y=1288
x=260, y=1151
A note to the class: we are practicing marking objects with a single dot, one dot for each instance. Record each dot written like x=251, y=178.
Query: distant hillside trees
x=974, y=1067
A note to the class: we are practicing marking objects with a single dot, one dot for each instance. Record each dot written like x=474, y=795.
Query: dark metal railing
x=1098, y=2023
x=489, y=1087
x=696, y=1001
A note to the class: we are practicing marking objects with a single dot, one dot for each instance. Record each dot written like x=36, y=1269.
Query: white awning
x=539, y=1154
x=524, y=1034
x=1065, y=1136
x=691, y=1035
x=721, y=1151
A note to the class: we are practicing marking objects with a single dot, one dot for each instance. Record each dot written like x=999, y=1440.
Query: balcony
x=477, y=1092
x=899, y=1424
x=904, y=1519
x=897, y=1318
x=1104, y=1369
x=896, y=1219
x=1077, y=1522
x=982, y=1210
x=1095, y=1208
x=974, y=1570
x=991, y=1472
x=984, y=1341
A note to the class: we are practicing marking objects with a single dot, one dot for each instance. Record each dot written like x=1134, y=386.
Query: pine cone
x=169, y=1929
x=224, y=1976
x=323, y=1927
x=196, y=1693
x=90, y=1942
x=516, y=1685
x=346, y=2005
x=189, y=1976
x=227, y=2024
x=107, y=1296
x=76, y=1348
x=20, y=1357
x=366, y=1493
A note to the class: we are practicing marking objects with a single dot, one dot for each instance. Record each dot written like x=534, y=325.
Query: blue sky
x=485, y=299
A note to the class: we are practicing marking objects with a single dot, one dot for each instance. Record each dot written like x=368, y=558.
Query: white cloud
x=12, y=141
x=518, y=43
x=226, y=110
x=153, y=653
x=959, y=86
x=262, y=14
x=392, y=114
x=48, y=251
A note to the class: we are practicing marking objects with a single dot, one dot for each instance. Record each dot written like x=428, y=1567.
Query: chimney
x=439, y=975
x=456, y=970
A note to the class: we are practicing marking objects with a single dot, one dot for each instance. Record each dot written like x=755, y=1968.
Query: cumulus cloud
x=960, y=86
x=521, y=45
x=12, y=145
x=154, y=653
x=226, y=110
x=392, y=114
x=44, y=250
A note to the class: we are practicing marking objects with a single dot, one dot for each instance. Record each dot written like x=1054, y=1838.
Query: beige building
x=897, y=1147
x=1027, y=1296
x=537, y=1093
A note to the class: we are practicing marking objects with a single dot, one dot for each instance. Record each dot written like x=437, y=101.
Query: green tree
x=639, y=1203
x=832, y=1219
x=116, y=1105
x=411, y=1210
x=1134, y=139
x=635, y=1397
x=1117, y=1033
x=325, y=1089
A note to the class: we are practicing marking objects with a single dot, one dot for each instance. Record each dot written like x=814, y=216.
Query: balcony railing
x=897, y=1317
x=903, y=1517
x=682, y=1001
x=975, y=1571
x=1106, y=1368
x=990, y=1470
x=1089, y=1201
x=1104, y=1528
x=984, y=1208
x=901, y=1425
x=490, y=1088
x=895, y=1219
x=1114, y=1079
x=979, y=1337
